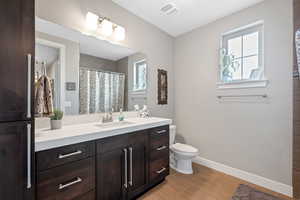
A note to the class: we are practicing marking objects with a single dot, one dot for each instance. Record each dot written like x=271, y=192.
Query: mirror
x=81, y=74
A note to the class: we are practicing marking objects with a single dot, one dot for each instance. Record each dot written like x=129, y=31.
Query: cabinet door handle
x=161, y=131
x=130, y=166
x=161, y=171
x=29, y=86
x=161, y=148
x=28, y=156
x=62, y=186
x=125, y=168
x=61, y=156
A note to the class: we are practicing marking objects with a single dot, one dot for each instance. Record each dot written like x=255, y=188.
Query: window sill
x=138, y=92
x=243, y=84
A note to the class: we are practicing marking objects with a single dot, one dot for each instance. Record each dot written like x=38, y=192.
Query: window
x=241, y=55
x=140, y=76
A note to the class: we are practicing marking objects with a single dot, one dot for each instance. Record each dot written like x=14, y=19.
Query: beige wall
x=122, y=67
x=141, y=36
x=97, y=63
x=255, y=137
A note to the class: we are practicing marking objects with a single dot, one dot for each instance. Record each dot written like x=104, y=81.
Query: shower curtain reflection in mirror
x=100, y=91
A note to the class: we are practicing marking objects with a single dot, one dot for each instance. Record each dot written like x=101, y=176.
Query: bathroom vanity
x=119, y=160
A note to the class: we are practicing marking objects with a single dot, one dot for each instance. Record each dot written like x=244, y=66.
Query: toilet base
x=182, y=166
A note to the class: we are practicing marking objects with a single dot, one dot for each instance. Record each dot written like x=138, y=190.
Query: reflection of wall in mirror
x=126, y=66
x=139, y=98
x=71, y=70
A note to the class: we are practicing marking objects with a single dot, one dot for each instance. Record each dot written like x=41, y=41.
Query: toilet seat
x=184, y=148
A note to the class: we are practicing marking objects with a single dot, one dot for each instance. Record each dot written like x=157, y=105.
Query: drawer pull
x=161, y=131
x=62, y=186
x=130, y=165
x=125, y=168
x=161, y=171
x=161, y=148
x=61, y=156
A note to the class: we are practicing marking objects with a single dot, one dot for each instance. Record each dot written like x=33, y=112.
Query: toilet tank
x=172, y=134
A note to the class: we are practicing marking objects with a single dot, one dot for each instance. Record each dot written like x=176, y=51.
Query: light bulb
x=119, y=33
x=92, y=21
x=107, y=27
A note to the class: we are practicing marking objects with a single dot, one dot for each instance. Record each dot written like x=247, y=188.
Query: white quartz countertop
x=71, y=134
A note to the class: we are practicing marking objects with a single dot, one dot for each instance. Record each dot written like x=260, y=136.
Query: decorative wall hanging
x=162, y=87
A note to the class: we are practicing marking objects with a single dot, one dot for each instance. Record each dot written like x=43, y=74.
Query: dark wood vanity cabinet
x=296, y=107
x=17, y=38
x=67, y=173
x=121, y=165
x=115, y=168
x=130, y=164
x=13, y=165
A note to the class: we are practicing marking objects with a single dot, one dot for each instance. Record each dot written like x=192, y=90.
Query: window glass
x=241, y=55
x=140, y=76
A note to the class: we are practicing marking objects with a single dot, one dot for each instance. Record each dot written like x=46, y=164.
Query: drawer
x=59, y=156
x=159, y=152
x=67, y=182
x=159, y=131
x=89, y=196
x=159, y=168
x=159, y=137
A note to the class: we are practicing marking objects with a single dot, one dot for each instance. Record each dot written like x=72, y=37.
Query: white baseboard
x=249, y=177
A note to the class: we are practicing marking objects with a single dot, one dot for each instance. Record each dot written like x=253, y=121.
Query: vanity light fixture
x=107, y=28
x=92, y=21
x=119, y=33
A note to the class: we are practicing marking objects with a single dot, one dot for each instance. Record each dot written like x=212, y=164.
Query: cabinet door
x=17, y=41
x=137, y=151
x=13, y=161
x=110, y=175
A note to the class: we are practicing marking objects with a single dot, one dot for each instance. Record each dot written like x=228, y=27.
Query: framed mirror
x=86, y=75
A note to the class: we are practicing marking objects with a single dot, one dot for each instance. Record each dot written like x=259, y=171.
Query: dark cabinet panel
x=296, y=109
x=112, y=143
x=111, y=178
x=63, y=155
x=137, y=165
x=159, y=168
x=67, y=182
x=89, y=196
x=17, y=41
x=13, y=160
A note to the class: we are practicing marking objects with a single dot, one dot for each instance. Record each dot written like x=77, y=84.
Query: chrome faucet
x=108, y=117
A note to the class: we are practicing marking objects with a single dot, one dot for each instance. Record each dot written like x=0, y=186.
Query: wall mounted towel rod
x=249, y=95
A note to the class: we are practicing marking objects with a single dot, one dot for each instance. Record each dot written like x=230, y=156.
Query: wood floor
x=204, y=184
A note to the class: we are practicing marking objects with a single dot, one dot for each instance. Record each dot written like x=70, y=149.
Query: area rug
x=245, y=192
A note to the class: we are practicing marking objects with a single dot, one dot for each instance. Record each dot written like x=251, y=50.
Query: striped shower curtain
x=100, y=91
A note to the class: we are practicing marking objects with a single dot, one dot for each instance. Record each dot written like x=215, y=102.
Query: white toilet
x=181, y=154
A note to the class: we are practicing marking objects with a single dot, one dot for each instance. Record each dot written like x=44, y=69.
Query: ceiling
x=190, y=15
x=89, y=45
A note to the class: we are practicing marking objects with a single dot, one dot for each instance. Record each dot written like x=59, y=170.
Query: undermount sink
x=114, y=124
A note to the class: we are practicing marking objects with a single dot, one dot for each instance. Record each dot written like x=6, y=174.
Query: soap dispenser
x=121, y=115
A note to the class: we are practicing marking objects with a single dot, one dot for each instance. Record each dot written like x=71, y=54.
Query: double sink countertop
x=72, y=134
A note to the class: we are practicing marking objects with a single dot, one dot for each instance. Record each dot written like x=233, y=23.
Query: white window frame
x=135, y=90
x=245, y=83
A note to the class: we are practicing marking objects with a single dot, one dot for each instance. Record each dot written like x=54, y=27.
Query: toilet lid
x=184, y=148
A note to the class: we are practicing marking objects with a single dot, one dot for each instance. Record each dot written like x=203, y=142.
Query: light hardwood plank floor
x=204, y=184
